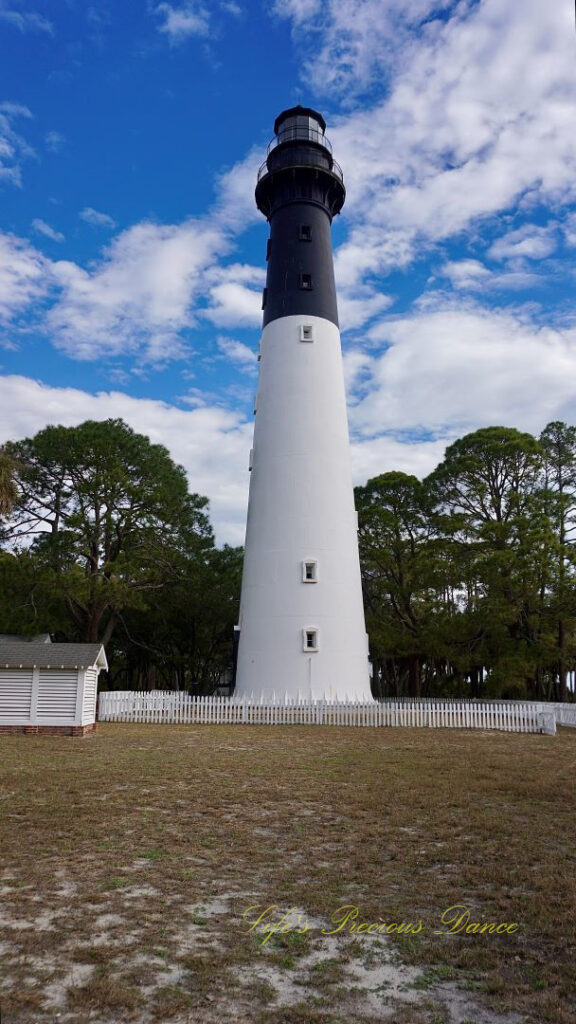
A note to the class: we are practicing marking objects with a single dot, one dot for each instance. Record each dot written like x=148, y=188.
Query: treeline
x=469, y=575
x=102, y=542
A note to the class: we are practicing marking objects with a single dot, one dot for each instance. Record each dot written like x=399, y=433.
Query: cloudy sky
x=132, y=255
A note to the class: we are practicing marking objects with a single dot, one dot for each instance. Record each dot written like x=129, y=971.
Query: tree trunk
x=414, y=676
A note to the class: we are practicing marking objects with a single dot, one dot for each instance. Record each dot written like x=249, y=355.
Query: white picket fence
x=180, y=709
x=565, y=714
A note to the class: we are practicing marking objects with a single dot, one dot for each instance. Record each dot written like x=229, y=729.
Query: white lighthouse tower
x=301, y=627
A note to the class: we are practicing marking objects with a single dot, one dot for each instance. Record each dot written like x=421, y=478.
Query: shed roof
x=39, y=655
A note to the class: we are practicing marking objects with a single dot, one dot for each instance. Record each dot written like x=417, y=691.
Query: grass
x=135, y=853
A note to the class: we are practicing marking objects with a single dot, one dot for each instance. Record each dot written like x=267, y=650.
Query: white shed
x=49, y=688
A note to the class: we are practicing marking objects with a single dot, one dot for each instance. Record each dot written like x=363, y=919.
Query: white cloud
x=232, y=302
x=347, y=43
x=180, y=23
x=54, y=141
x=357, y=306
x=528, y=242
x=357, y=365
x=298, y=11
x=464, y=133
x=139, y=296
x=466, y=273
x=153, y=280
x=449, y=371
x=234, y=305
x=211, y=443
x=239, y=353
x=27, y=21
x=97, y=218
x=150, y=284
x=386, y=454
x=42, y=228
x=24, y=277
x=235, y=208
x=13, y=147
x=472, y=275
x=569, y=230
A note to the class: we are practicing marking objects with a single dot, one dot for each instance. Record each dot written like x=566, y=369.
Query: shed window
x=306, y=282
x=306, y=332
x=310, y=639
x=310, y=571
x=305, y=233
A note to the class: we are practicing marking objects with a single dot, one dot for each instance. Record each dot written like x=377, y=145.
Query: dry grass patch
x=139, y=849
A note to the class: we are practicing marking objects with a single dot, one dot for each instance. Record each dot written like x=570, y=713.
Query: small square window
x=305, y=233
x=310, y=639
x=306, y=282
x=306, y=332
x=310, y=571
x=264, y=297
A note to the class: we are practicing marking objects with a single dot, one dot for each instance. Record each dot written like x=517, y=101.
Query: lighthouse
x=301, y=631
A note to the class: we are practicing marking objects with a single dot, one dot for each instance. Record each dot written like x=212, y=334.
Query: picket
x=181, y=709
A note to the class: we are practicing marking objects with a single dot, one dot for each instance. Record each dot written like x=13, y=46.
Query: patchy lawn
x=132, y=861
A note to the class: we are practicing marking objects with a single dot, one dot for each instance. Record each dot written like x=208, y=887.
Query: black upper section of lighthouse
x=300, y=188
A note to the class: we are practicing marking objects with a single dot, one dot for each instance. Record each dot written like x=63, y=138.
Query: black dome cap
x=299, y=112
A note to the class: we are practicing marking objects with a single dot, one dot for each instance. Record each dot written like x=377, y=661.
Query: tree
x=401, y=571
x=8, y=489
x=490, y=486
x=184, y=641
x=559, y=444
x=107, y=513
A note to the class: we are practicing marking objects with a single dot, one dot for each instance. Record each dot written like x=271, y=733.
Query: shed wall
x=47, y=698
x=15, y=695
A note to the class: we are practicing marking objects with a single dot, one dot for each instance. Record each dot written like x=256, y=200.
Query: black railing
x=306, y=160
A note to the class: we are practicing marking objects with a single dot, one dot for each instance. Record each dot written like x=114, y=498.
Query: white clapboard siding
x=178, y=708
x=57, y=693
x=15, y=694
x=89, y=698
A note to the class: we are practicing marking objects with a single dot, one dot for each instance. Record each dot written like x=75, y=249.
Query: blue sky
x=132, y=255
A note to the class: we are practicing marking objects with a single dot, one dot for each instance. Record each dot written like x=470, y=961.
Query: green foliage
x=105, y=543
x=401, y=567
x=469, y=575
x=107, y=513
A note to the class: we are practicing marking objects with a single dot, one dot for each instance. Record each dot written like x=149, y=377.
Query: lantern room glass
x=301, y=127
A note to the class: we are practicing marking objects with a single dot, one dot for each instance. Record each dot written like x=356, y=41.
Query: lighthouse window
x=264, y=297
x=306, y=282
x=268, y=247
x=305, y=233
x=309, y=572
x=310, y=639
x=306, y=332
